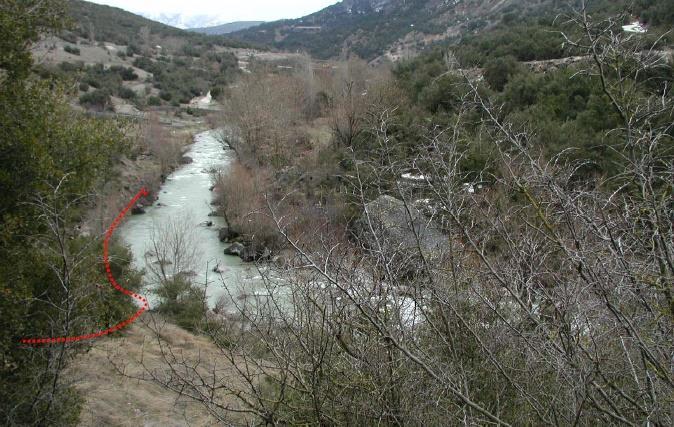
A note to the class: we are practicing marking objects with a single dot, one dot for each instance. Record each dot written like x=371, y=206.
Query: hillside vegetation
x=114, y=25
x=52, y=161
x=117, y=58
x=399, y=28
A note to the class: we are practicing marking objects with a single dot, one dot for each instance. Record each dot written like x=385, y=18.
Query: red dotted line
x=144, y=304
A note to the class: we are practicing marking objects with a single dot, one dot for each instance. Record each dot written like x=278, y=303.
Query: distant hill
x=370, y=28
x=110, y=24
x=227, y=28
x=126, y=63
x=397, y=28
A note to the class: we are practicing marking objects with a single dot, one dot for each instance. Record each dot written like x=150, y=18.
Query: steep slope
x=400, y=28
x=113, y=398
x=110, y=24
x=126, y=63
x=370, y=28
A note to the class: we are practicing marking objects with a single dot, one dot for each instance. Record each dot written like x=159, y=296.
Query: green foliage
x=22, y=22
x=107, y=82
x=217, y=92
x=97, y=100
x=46, y=140
x=498, y=71
x=132, y=49
x=52, y=281
x=126, y=93
x=166, y=96
x=127, y=74
x=43, y=141
x=71, y=67
x=72, y=50
x=656, y=12
x=153, y=101
x=185, y=78
x=183, y=302
x=525, y=42
x=566, y=111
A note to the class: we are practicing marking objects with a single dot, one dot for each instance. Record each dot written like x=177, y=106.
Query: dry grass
x=115, y=399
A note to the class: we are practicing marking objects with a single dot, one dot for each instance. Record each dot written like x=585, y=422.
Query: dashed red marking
x=144, y=304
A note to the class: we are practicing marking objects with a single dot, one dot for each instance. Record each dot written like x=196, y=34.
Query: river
x=186, y=194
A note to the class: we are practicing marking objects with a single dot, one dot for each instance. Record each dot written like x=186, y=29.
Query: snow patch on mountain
x=184, y=21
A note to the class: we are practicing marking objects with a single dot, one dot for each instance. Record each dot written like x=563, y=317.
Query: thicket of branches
x=549, y=301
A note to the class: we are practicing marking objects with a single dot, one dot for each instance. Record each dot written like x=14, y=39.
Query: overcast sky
x=228, y=10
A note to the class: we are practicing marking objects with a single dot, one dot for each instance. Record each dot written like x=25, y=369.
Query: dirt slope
x=113, y=399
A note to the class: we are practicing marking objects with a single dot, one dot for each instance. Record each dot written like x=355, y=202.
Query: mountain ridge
x=226, y=28
x=370, y=28
x=398, y=29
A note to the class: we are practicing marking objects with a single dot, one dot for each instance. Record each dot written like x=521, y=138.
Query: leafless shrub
x=161, y=143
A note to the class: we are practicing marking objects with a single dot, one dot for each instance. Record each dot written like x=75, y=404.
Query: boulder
x=399, y=233
x=252, y=254
x=209, y=223
x=227, y=234
x=186, y=160
x=138, y=210
x=249, y=254
x=235, y=250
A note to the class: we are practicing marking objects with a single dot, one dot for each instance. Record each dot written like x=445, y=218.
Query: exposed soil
x=113, y=398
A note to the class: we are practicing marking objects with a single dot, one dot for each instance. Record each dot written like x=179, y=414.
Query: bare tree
x=162, y=143
x=264, y=109
x=65, y=298
x=173, y=250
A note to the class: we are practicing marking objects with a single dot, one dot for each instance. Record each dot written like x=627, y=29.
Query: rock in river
x=236, y=249
x=138, y=210
x=226, y=234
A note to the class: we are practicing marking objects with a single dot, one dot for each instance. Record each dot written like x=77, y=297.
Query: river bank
x=183, y=218
x=144, y=167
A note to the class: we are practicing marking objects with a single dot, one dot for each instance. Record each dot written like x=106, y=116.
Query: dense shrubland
x=182, y=65
x=184, y=77
x=479, y=28
x=52, y=278
x=176, y=80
